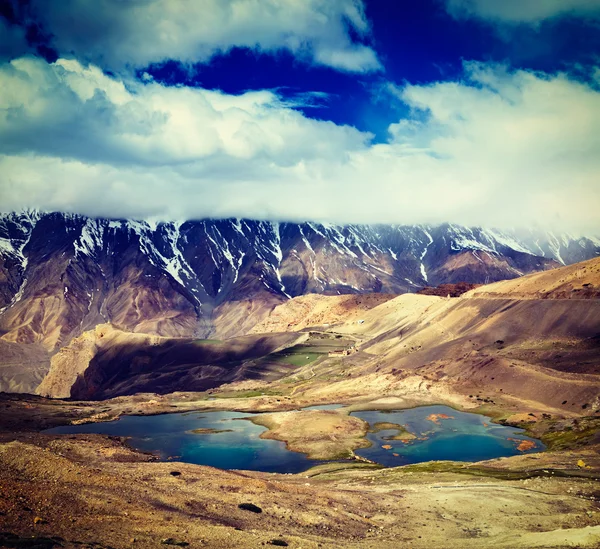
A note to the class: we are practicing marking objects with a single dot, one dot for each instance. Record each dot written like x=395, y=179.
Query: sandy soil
x=92, y=491
x=317, y=433
x=578, y=281
x=526, y=362
x=318, y=310
x=22, y=366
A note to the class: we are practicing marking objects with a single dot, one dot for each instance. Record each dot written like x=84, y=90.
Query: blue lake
x=169, y=437
x=442, y=434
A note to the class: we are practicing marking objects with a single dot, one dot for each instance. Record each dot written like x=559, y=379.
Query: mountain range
x=62, y=274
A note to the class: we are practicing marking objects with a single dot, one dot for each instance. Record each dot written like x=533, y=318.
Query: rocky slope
x=91, y=491
x=492, y=347
x=105, y=362
x=579, y=281
x=510, y=345
x=318, y=310
x=62, y=274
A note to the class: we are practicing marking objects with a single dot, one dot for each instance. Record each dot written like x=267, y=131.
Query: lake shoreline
x=321, y=435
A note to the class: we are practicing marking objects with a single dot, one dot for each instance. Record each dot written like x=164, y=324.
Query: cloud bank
x=497, y=147
x=523, y=11
x=117, y=34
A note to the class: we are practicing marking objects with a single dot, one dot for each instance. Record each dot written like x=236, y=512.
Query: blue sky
x=472, y=111
x=416, y=42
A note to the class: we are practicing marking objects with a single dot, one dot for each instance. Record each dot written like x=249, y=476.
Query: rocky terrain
x=448, y=290
x=524, y=352
x=579, y=281
x=316, y=310
x=105, y=362
x=501, y=341
x=93, y=491
x=62, y=274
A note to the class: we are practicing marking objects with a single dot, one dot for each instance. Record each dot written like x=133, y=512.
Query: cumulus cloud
x=523, y=11
x=70, y=111
x=497, y=147
x=115, y=34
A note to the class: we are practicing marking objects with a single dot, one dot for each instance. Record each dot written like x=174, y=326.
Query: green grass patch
x=401, y=432
x=336, y=467
x=431, y=467
x=573, y=437
x=209, y=431
x=248, y=394
x=296, y=356
x=298, y=359
x=208, y=341
x=452, y=467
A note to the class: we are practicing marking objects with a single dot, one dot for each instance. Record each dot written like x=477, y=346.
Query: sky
x=478, y=112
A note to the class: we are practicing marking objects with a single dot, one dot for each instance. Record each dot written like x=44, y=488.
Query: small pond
x=228, y=440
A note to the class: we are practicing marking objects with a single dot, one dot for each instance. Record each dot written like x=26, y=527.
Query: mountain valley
x=116, y=329
x=62, y=274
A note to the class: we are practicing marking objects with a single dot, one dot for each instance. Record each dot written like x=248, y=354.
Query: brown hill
x=579, y=281
x=62, y=274
x=234, y=318
x=107, y=362
x=449, y=290
x=494, y=345
x=506, y=345
x=318, y=310
x=22, y=367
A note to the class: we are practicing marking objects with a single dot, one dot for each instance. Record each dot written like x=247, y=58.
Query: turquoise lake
x=450, y=435
x=169, y=437
x=442, y=434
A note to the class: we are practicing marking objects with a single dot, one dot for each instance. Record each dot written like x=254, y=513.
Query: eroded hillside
x=62, y=274
x=512, y=344
x=316, y=310
x=106, y=362
x=486, y=347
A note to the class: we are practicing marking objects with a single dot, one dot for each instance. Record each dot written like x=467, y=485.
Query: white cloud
x=495, y=148
x=116, y=33
x=522, y=11
x=70, y=111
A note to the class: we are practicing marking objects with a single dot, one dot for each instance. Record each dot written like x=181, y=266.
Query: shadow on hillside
x=174, y=365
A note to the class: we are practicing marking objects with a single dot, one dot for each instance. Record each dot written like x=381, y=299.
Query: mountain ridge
x=62, y=274
x=524, y=341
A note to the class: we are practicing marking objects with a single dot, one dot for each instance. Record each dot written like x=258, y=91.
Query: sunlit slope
x=22, y=367
x=319, y=310
x=502, y=347
x=578, y=281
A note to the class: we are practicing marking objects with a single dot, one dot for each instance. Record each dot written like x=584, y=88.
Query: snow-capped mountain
x=61, y=274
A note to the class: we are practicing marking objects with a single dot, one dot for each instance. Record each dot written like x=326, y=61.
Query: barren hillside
x=579, y=281
x=318, y=310
x=107, y=362
x=508, y=344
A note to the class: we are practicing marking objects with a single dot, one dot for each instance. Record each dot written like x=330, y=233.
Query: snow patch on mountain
x=555, y=244
x=14, y=248
x=276, y=249
x=423, y=254
x=91, y=239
